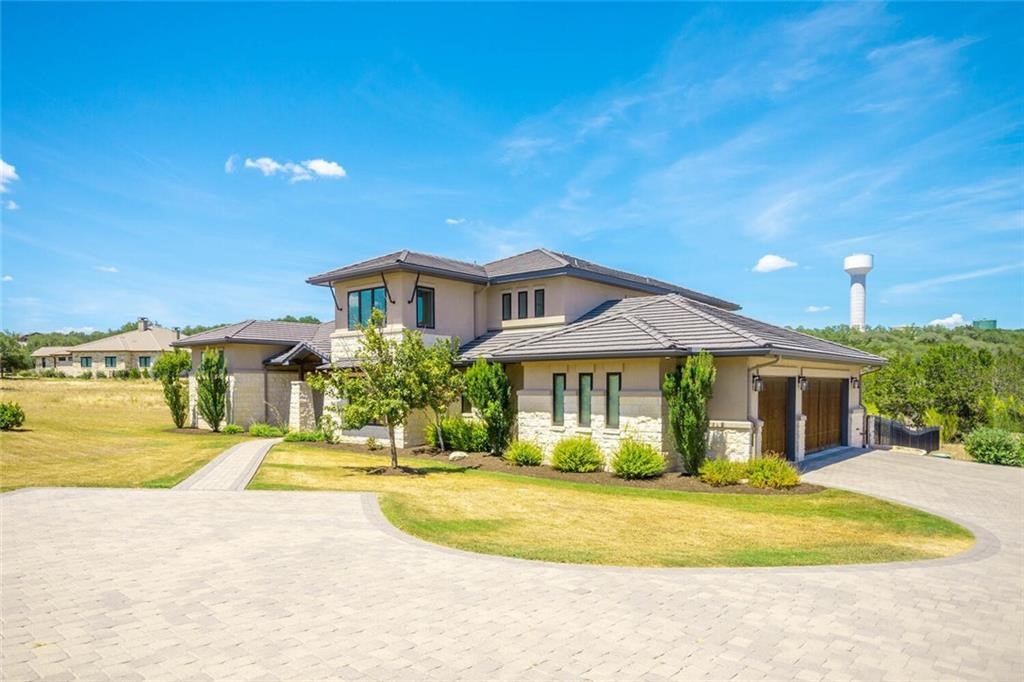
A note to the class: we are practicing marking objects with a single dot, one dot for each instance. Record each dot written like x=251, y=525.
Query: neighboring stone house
x=135, y=349
x=586, y=348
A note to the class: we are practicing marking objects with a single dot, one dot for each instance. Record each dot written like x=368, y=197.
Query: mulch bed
x=485, y=462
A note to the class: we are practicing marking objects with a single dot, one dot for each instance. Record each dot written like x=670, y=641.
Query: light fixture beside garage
x=757, y=383
x=801, y=382
x=854, y=382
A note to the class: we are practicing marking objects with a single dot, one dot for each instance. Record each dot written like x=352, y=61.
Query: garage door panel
x=822, y=403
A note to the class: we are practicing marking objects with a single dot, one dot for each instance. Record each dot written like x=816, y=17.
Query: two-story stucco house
x=586, y=348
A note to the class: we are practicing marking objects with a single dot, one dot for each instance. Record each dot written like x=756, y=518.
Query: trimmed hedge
x=578, y=455
x=995, y=446
x=636, y=459
x=524, y=453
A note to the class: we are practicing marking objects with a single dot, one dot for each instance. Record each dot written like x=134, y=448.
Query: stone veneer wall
x=301, y=411
x=731, y=440
x=278, y=399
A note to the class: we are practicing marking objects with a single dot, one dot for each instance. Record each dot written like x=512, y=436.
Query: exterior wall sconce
x=801, y=382
x=757, y=383
x=854, y=382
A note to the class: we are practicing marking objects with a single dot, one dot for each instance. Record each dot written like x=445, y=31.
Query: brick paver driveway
x=131, y=584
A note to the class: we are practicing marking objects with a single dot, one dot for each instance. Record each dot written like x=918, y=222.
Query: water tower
x=857, y=267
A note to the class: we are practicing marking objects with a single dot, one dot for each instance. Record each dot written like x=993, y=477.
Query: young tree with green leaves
x=490, y=393
x=212, y=388
x=687, y=391
x=443, y=381
x=168, y=369
x=13, y=355
x=387, y=384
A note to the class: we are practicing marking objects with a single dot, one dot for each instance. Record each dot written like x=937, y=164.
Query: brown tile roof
x=293, y=336
x=153, y=339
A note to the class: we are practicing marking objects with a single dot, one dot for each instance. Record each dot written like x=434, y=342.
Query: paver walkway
x=156, y=584
x=231, y=469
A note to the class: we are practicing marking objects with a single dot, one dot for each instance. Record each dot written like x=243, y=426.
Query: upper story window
x=425, y=307
x=506, y=306
x=524, y=302
x=538, y=303
x=110, y=361
x=361, y=304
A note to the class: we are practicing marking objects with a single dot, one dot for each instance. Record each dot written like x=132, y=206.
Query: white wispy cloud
x=954, y=320
x=8, y=278
x=75, y=330
x=8, y=174
x=11, y=205
x=817, y=308
x=297, y=172
x=770, y=263
x=231, y=163
x=454, y=221
x=936, y=282
x=107, y=268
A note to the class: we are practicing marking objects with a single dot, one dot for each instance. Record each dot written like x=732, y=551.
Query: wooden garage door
x=772, y=404
x=822, y=402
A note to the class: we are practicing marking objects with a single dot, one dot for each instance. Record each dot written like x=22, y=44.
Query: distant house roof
x=659, y=326
x=294, y=337
x=47, y=351
x=151, y=339
x=527, y=265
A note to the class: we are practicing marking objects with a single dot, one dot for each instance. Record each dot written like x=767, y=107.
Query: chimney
x=143, y=324
x=177, y=333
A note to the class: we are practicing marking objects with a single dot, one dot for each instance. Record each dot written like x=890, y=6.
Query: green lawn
x=98, y=433
x=532, y=518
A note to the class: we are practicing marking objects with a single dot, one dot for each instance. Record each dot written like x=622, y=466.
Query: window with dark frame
x=586, y=388
x=110, y=361
x=524, y=302
x=558, y=399
x=506, y=307
x=614, y=387
x=425, y=307
x=538, y=303
x=467, y=407
x=144, y=361
x=361, y=304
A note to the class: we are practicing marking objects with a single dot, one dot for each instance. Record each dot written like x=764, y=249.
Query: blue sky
x=195, y=163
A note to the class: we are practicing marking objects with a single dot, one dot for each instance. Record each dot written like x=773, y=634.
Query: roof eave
x=337, y=276
x=184, y=343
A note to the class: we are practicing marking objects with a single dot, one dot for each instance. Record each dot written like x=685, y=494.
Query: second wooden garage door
x=822, y=403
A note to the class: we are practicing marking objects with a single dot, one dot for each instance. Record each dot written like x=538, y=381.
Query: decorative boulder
x=457, y=455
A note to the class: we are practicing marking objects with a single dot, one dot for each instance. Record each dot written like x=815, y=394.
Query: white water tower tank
x=857, y=267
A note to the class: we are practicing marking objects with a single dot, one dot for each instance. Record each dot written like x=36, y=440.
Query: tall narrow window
x=586, y=386
x=353, y=309
x=524, y=302
x=612, y=400
x=538, y=303
x=558, y=399
x=506, y=306
x=361, y=304
x=425, y=307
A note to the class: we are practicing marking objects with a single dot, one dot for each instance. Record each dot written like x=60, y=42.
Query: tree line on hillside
x=958, y=379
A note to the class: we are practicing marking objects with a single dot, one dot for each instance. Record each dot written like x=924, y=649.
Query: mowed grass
x=532, y=518
x=98, y=433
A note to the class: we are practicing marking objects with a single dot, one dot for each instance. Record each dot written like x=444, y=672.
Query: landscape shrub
x=25, y=373
x=85, y=375
x=719, y=472
x=949, y=424
x=459, y=434
x=772, y=471
x=100, y=374
x=578, y=455
x=49, y=373
x=523, y=453
x=995, y=446
x=264, y=430
x=134, y=373
x=145, y=372
x=232, y=428
x=373, y=444
x=212, y=388
x=490, y=393
x=11, y=416
x=305, y=437
x=636, y=459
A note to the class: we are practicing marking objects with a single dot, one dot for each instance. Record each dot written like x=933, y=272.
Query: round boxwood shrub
x=524, y=453
x=772, y=472
x=232, y=428
x=636, y=459
x=11, y=416
x=579, y=455
x=995, y=446
x=719, y=472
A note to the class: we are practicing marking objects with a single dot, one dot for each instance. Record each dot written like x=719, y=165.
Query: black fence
x=882, y=431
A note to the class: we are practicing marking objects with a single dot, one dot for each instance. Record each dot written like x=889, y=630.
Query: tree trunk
x=440, y=433
x=394, y=451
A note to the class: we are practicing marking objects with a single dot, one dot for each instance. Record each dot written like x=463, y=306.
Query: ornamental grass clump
x=524, y=453
x=577, y=455
x=635, y=459
x=771, y=471
x=262, y=430
x=720, y=472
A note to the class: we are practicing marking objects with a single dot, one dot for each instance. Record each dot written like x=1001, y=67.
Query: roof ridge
x=683, y=302
x=556, y=255
x=402, y=256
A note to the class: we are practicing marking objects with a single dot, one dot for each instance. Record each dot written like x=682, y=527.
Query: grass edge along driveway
x=531, y=518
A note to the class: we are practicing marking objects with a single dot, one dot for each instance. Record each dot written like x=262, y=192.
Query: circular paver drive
x=133, y=584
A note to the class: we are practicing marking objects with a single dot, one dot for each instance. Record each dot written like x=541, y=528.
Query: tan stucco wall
x=565, y=299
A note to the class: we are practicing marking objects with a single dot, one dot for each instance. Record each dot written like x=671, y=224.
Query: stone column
x=301, y=416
